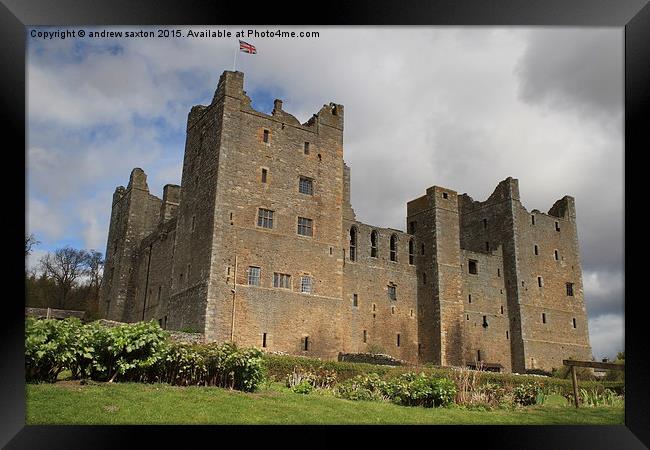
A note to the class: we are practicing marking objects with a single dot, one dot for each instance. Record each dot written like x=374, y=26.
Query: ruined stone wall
x=556, y=263
x=135, y=213
x=487, y=328
x=435, y=222
x=154, y=275
x=287, y=316
x=376, y=313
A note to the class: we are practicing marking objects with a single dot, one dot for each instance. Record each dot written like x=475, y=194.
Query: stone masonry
x=260, y=246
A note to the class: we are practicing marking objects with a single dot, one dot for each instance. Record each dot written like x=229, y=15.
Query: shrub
x=363, y=387
x=422, y=390
x=304, y=387
x=527, y=394
x=51, y=346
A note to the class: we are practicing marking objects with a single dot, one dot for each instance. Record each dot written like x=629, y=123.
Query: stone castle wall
x=189, y=258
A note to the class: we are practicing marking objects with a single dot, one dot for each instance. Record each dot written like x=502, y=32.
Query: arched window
x=353, y=244
x=393, y=248
x=411, y=255
x=373, y=244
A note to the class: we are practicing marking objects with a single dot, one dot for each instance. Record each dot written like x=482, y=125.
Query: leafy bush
x=527, y=394
x=304, y=387
x=422, y=390
x=51, y=346
x=363, y=387
x=135, y=352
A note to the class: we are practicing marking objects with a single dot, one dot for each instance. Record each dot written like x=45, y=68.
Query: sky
x=459, y=107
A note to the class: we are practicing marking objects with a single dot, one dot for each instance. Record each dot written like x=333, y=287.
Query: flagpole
x=234, y=63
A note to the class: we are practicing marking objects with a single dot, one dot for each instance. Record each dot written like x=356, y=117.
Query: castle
x=260, y=246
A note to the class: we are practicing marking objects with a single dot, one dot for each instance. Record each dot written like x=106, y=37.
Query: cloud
x=607, y=335
x=571, y=69
x=604, y=292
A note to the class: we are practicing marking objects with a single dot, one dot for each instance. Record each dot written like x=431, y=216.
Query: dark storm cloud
x=574, y=69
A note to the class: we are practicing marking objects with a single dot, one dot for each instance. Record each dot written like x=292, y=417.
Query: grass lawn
x=68, y=402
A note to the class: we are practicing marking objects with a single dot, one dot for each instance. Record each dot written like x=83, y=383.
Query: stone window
x=305, y=226
x=412, y=226
x=478, y=355
x=374, y=307
x=445, y=195
x=485, y=322
x=305, y=343
x=306, y=186
x=485, y=224
x=473, y=266
x=355, y=300
x=411, y=312
x=532, y=218
x=353, y=244
x=265, y=218
x=265, y=138
x=557, y=255
x=487, y=246
x=411, y=252
x=305, y=284
x=264, y=340
x=540, y=281
x=499, y=273
x=536, y=250
x=424, y=278
x=254, y=276
x=264, y=173
x=557, y=226
x=469, y=298
x=365, y=336
x=306, y=148
x=392, y=291
x=507, y=335
x=373, y=244
x=393, y=248
x=501, y=309
x=543, y=317
x=569, y=289
x=398, y=336
x=467, y=316
x=422, y=250
x=574, y=323
x=281, y=280
x=392, y=310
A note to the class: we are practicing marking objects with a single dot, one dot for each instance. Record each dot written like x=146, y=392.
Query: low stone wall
x=371, y=358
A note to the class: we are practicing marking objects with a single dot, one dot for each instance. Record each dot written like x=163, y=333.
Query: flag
x=247, y=48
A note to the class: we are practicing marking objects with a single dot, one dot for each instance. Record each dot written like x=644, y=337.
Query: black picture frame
x=17, y=15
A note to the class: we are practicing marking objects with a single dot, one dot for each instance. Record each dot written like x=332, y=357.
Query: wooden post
x=575, y=385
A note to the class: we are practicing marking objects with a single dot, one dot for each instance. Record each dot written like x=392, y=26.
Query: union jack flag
x=247, y=48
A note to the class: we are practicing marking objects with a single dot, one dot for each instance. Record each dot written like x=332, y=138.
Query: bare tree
x=65, y=266
x=94, y=269
x=30, y=241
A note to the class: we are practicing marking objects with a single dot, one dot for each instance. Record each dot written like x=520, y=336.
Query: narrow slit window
x=501, y=309
x=557, y=255
x=507, y=335
x=487, y=246
x=469, y=298
x=306, y=347
x=557, y=226
x=411, y=252
x=478, y=355
x=499, y=273
x=540, y=281
x=264, y=172
x=398, y=339
x=536, y=249
x=355, y=300
x=393, y=248
x=569, y=289
x=472, y=266
x=543, y=317
x=392, y=292
x=265, y=137
x=264, y=340
x=485, y=224
x=485, y=322
x=306, y=148
x=532, y=218
x=422, y=250
x=353, y=244
x=365, y=336
x=574, y=323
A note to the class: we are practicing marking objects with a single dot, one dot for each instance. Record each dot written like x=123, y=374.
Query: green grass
x=68, y=402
